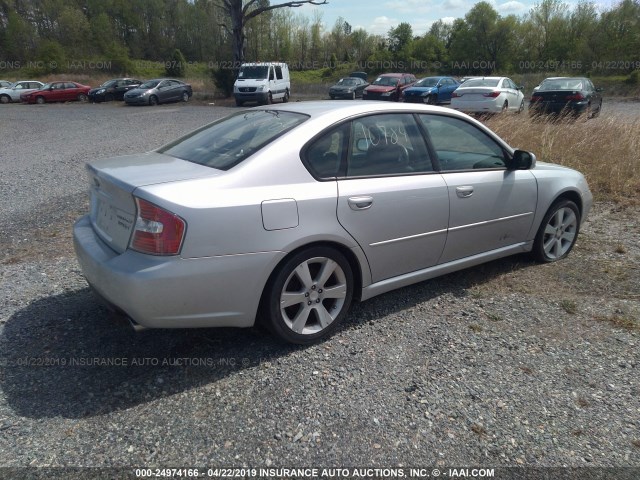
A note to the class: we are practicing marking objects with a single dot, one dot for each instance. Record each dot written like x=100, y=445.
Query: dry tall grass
x=605, y=149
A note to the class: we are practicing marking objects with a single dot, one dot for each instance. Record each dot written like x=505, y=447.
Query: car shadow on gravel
x=67, y=356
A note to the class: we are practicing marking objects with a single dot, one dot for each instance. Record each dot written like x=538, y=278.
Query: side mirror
x=599, y=89
x=522, y=160
x=521, y=87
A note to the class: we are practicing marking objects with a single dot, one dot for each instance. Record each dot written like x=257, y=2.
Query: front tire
x=558, y=232
x=285, y=99
x=431, y=100
x=153, y=100
x=185, y=97
x=5, y=99
x=309, y=295
x=40, y=100
x=521, y=109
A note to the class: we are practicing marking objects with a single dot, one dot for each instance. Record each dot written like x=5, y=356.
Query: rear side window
x=388, y=144
x=279, y=72
x=324, y=154
x=229, y=141
x=462, y=146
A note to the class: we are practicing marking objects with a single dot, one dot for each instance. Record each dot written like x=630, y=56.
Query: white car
x=488, y=95
x=12, y=93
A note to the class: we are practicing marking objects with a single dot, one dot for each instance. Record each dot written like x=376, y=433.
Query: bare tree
x=241, y=11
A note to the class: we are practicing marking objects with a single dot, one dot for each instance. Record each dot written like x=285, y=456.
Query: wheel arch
x=568, y=194
x=348, y=253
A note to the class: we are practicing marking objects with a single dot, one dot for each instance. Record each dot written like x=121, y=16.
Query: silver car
x=12, y=93
x=288, y=213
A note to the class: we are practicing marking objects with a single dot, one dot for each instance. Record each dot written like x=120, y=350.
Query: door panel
x=489, y=210
x=399, y=222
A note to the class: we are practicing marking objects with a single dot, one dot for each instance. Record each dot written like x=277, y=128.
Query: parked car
x=57, y=92
x=262, y=82
x=574, y=95
x=159, y=90
x=431, y=90
x=388, y=86
x=12, y=93
x=113, y=89
x=348, y=87
x=295, y=210
x=488, y=95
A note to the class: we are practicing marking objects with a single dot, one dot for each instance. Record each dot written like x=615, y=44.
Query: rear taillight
x=157, y=231
x=536, y=98
x=491, y=95
x=456, y=95
x=576, y=97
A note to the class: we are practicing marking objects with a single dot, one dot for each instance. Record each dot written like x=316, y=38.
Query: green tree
x=177, y=65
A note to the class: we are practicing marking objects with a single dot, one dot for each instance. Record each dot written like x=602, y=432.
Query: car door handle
x=464, y=192
x=360, y=203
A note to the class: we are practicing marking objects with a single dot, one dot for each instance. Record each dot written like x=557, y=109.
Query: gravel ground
x=507, y=364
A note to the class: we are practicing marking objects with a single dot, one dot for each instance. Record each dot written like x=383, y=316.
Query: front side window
x=389, y=144
x=460, y=145
x=229, y=141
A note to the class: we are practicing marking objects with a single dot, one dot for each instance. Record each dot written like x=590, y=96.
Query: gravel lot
x=507, y=364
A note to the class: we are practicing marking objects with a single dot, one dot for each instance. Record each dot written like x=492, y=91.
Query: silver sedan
x=289, y=213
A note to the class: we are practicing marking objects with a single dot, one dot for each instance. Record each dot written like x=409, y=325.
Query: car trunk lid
x=113, y=181
x=472, y=94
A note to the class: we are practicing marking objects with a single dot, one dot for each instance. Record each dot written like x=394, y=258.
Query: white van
x=262, y=83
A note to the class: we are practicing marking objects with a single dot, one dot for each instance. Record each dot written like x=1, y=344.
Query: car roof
x=392, y=74
x=321, y=108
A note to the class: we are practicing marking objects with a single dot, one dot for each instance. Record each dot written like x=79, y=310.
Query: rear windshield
x=561, y=84
x=482, y=82
x=229, y=141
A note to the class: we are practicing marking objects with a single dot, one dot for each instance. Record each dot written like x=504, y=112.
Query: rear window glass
x=562, y=84
x=482, y=82
x=229, y=141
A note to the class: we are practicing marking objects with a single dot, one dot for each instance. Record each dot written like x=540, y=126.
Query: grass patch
x=604, y=149
x=621, y=321
x=569, y=306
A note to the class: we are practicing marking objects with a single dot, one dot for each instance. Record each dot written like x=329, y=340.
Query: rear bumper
x=174, y=292
x=477, y=107
x=557, y=108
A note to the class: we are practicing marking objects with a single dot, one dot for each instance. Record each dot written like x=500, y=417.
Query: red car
x=58, y=92
x=388, y=86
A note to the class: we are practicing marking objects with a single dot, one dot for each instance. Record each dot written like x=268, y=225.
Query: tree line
x=552, y=36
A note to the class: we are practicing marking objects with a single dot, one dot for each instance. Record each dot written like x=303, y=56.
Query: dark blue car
x=431, y=90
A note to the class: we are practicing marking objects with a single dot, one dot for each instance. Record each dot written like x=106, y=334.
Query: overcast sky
x=379, y=16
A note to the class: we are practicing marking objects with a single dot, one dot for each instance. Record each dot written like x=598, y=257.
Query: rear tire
x=82, y=97
x=309, y=295
x=558, y=232
x=109, y=97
